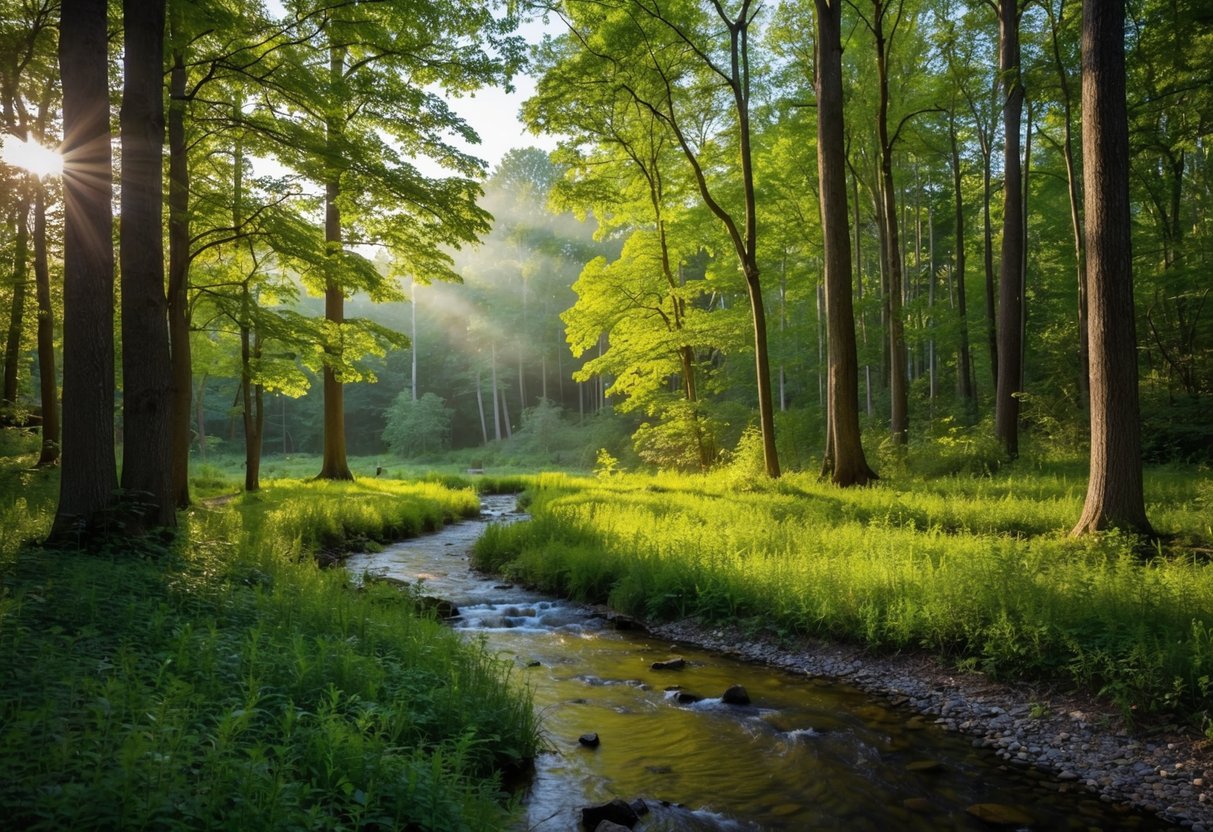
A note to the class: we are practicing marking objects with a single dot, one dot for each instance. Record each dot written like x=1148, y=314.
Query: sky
x=493, y=114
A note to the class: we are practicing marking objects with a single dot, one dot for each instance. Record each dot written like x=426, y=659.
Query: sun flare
x=31, y=156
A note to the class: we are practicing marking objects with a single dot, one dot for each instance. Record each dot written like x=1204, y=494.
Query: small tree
x=418, y=427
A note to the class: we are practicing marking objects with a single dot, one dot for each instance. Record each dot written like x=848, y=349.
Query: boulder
x=735, y=695
x=609, y=826
x=670, y=664
x=684, y=698
x=617, y=811
x=589, y=740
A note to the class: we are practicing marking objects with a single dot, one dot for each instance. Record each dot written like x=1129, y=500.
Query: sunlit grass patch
x=979, y=570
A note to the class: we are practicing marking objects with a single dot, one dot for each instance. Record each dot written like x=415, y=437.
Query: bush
x=416, y=428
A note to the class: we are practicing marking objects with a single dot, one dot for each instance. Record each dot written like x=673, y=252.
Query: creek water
x=805, y=754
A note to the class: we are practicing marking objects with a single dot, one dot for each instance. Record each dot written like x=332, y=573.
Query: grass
x=977, y=570
x=225, y=681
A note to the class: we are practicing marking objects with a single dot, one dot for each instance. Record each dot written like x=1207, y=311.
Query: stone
x=684, y=698
x=917, y=804
x=639, y=807
x=616, y=811
x=1000, y=814
x=609, y=826
x=670, y=664
x=735, y=695
x=589, y=740
x=923, y=766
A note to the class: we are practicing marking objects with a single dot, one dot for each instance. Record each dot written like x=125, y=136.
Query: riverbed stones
x=677, y=663
x=1000, y=814
x=616, y=811
x=589, y=740
x=735, y=695
x=1076, y=741
x=609, y=826
x=441, y=607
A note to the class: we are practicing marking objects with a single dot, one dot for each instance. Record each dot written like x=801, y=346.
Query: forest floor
x=1085, y=744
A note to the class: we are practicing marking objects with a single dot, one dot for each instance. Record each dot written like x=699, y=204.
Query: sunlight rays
x=31, y=156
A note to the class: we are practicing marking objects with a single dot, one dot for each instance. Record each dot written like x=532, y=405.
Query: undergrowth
x=224, y=681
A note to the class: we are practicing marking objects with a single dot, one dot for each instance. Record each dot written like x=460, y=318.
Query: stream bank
x=1083, y=743
x=809, y=751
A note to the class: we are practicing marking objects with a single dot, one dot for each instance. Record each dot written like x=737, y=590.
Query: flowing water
x=806, y=754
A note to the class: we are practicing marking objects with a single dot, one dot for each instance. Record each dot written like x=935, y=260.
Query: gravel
x=1085, y=744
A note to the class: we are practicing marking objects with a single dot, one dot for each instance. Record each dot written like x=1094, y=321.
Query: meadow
x=221, y=679
x=977, y=570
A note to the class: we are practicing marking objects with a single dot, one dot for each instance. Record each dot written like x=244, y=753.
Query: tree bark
x=88, y=478
x=849, y=467
x=898, y=389
x=335, y=465
x=178, y=278
x=47, y=377
x=1010, y=276
x=964, y=375
x=146, y=372
x=1115, y=493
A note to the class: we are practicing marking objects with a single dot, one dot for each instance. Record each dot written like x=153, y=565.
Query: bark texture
x=146, y=372
x=847, y=464
x=88, y=478
x=1115, y=495
x=47, y=378
x=178, y=283
x=1010, y=274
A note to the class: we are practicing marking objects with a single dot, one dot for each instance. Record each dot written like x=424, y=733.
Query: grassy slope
x=226, y=682
x=978, y=570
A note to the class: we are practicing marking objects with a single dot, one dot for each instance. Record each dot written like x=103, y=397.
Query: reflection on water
x=804, y=754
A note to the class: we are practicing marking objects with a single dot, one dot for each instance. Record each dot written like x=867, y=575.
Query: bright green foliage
x=228, y=682
x=416, y=428
x=977, y=570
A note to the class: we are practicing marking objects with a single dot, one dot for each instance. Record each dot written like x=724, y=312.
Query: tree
x=1010, y=274
x=146, y=370
x=845, y=462
x=1115, y=496
x=417, y=427
x=88, y=478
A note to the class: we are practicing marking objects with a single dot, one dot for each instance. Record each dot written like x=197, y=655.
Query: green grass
x=225, y=681
x=977, y=570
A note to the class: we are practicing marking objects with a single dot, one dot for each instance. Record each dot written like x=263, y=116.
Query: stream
x=805, y=754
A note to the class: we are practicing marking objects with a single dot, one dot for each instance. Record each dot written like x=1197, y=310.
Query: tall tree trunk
x=88, y=478
x=1010, y=277
x=988, y=265
x=1115, y=494
x=413, y=340
x=496, y=397
x=251, y=393
x=1073, y=191
x=335, y=465
x=16, y=322
x=178, y=272
x=146, y=371
x=47, y=377
x=964, y=366
x=484, y=427
x=849, y=467
x=899, y=422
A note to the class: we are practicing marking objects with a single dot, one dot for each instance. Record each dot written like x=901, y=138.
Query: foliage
x=417, y=428
x=976, y=569
x=223, y=680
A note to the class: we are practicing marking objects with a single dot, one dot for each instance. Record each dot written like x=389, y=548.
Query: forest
x=908, y=301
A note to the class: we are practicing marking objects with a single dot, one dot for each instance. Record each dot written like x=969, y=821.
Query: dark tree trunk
x=16, y=321
x=335, y=465
x=146, y=369
x=964, y=365
x=1115, y=494
x=898, y=389
x=849, y=467
x=88, y=478
x=988, y=264
x=178, y=282
x=47, y=376
x=251, y=395
x=1010, y=276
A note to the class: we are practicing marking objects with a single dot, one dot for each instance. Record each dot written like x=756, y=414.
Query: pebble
x=1082, y=745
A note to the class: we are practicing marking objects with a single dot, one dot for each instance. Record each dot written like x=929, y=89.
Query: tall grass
x=977, y=570
x=224, y=681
